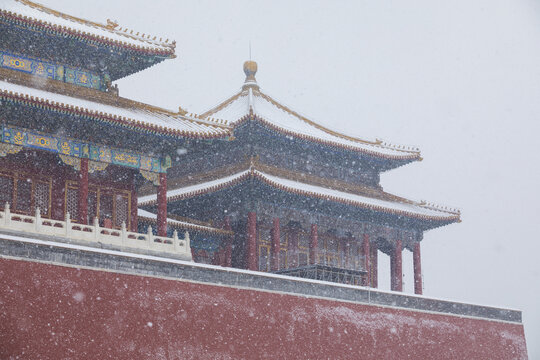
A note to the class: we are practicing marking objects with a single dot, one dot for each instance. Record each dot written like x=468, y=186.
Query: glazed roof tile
x=38, y=15
x=251, y=100
x=135, y=115
x=402, y=208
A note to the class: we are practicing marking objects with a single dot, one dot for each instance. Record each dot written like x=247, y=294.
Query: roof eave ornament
x=250, y=69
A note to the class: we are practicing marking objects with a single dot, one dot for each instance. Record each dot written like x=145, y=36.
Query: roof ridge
x=252, y=166
x=261, y=175
x=312, y=123
x=97, y=96
x=223, y=104
x=111, y=26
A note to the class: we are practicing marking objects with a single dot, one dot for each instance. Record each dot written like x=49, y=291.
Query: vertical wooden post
x=229, y=240
x=275, y=246
x=417, y=269
x=397, y=268
x=367, y=254
x=162, y=205
x=252, y=241
x=134, y=206
x=374, y=264
x=314, y=245
x=83, y=192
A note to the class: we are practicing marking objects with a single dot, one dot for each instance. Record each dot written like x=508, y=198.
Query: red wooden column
x=134, y=205
x=314, y=245
x=396, y=267
x=275, y=246
x=374, y=263
x=83, y=192
x=228, y=246
x=417, y=269
x=367, y=264
x=252, y=241
x=162, y=205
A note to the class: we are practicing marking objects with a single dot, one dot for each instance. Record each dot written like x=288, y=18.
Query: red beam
x=83, y=192
x=367, y=255
x=228, y=245
x=396, y=267
x=314, y=245
x=252, y=241
x=417, y=269
x=275, y=246
x=162, y=205
x=374, y=263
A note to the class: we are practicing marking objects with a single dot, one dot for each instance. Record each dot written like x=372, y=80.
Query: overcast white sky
x=459, y=79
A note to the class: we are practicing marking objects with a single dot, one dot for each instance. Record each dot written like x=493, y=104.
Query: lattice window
x=72, y=202
x=42, y=197
x=24, y=195
x=103, y=203
x=121, y=210
x=6, y=190
x=92, y=206
x=302, y=258
x=264, y=258
x=105, y=206
x=283, y=258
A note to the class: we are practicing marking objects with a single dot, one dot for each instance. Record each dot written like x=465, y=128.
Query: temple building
x=70, y=143
x=130, y=231
x=301, y=199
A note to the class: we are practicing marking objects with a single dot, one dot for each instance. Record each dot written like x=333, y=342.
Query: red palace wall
x=57, y=312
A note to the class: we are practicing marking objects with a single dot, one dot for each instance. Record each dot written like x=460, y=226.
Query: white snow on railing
x=95, y=233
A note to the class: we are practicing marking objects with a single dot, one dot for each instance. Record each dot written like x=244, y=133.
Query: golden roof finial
x=250, y=69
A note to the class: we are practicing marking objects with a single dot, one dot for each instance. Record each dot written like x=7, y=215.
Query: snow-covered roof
x=127, y=113
x=251, y=101
x=404, y=207
x=143, y=214
x=36, y=15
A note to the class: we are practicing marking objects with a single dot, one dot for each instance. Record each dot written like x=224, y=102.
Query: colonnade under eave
x=45, y=164
x=369, y=248
x=161, y=200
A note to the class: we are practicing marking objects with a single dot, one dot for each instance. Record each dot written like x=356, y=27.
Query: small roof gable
x=251, y=102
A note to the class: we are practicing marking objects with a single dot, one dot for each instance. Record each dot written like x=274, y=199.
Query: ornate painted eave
x=95, y=105
x=187, y=224
x=38, y=17
x=393, y=205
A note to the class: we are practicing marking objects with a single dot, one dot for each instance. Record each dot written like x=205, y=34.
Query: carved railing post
x=96, y=228
x=124, y=233
x=68, y=225
x=37, y=221
x=187, y=245
x=150, y=237
x=7, y=214
x=176, y=242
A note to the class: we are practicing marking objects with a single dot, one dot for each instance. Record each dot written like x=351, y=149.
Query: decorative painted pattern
x=50, y=70
x=82, y=78
x=6, y=149
x=77, y=149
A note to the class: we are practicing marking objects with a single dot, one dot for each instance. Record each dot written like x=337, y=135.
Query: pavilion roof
x=37, y=16
x=383, y=202
x=251, y=102
x=105, y=107
x=186, y=224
